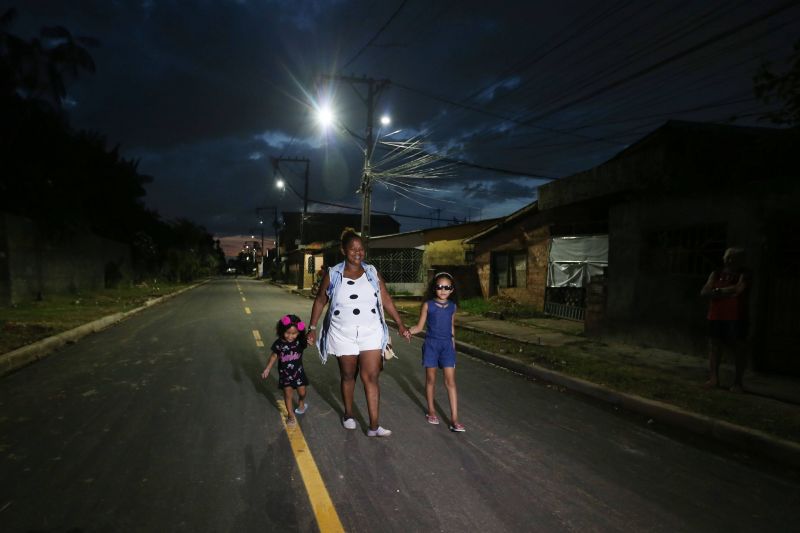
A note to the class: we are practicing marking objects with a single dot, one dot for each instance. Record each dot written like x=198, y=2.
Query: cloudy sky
x=204, y=93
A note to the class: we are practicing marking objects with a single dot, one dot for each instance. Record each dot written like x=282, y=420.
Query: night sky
x=204, y=93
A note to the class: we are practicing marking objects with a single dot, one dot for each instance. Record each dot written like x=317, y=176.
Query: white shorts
x=354, y=340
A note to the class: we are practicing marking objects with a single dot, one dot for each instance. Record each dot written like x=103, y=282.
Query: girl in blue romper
x=439, y=350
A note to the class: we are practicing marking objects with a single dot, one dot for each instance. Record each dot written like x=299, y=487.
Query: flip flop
x=458, y=428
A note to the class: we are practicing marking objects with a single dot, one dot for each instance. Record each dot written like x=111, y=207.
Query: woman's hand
x=312, y=337
x=404, y=332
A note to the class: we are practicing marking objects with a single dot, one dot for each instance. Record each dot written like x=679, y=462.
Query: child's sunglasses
x=444, y=287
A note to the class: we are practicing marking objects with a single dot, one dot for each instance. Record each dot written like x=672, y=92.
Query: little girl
x=288, y=349
x=439, y=350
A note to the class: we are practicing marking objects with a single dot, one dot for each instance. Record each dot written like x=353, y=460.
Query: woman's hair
x=347, y=236
x=430, y=294
x=286, y=322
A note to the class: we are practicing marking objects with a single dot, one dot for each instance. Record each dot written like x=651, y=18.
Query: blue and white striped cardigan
x=336, y=276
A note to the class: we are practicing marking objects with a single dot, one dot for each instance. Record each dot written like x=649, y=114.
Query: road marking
x=244, y=299
x=257, y=336
x=324, y=511
x=247, y=310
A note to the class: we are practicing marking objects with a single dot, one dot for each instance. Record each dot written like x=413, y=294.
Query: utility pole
x=374, y=88
x=276, y=161
x=276, y=226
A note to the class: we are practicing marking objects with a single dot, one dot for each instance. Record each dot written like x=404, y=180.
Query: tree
x=39, y=69
x=781, y=89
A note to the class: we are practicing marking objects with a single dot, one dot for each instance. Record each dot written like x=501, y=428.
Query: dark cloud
x=206, y=92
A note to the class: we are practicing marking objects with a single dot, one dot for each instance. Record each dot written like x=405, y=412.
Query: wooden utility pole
x=374, y=88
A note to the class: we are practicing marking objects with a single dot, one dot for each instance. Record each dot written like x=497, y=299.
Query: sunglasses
x=444, y=287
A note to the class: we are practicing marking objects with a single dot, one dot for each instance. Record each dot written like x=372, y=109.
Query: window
x=510, y=269
x=690, y=251
x=310, y=268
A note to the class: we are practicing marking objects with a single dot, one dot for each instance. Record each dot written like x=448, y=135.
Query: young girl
x=439, y=350
x=288, y=350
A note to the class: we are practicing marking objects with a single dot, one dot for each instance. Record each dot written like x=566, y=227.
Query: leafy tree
x=782, y=89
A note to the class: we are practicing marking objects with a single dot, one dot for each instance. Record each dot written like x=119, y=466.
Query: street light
x=385, y=120
x=279, y=183
x=325, y=116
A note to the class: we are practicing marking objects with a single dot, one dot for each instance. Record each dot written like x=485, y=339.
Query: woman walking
x=354, y=329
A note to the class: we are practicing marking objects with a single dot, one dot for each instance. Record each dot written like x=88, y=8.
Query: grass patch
x=29, y=322
x=508, y=307
x=609, y=365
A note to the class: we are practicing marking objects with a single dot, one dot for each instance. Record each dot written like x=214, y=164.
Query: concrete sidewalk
x=558, y=332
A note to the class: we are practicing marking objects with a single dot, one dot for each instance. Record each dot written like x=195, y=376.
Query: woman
x=354, y=329
x=727, y=319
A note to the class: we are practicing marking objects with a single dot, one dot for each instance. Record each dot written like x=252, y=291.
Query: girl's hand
x=413, y=330
x=404, y=332
x=311, y=337
x=265, y=373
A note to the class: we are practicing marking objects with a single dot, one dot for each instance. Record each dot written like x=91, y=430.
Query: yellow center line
x=244, y=299
x=324, y=511
x=247, y=310
x=257, y=337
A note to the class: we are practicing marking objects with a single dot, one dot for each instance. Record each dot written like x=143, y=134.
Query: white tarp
x=574, y=260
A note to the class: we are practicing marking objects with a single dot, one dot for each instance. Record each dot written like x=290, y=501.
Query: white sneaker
x=349, y=423
x=380, y=432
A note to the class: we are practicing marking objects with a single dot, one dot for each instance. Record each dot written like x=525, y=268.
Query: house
x=673, y=202
x=301, y=262
x=408, y=260
x=513, y=257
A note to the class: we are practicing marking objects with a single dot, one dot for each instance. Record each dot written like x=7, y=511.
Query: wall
x=536, y=241
x=657, y=307
x=35, y=265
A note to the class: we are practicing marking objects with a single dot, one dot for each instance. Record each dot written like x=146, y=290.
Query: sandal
x=432, y=419
x=458, y=428
x=291, y=422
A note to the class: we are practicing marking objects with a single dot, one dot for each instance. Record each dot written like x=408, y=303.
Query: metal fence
x=402, y=265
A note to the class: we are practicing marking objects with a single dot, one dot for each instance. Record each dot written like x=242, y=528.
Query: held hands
x=413, y=330
x=406, y=333
x=311, y=337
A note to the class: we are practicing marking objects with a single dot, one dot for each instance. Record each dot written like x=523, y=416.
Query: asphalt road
x=162, y=423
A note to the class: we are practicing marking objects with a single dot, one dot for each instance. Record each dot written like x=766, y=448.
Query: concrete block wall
x=37, y=265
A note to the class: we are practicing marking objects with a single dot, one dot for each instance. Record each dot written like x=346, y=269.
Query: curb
x=746, y=439
x=16, y=359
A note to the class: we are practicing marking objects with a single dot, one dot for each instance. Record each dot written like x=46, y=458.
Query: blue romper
x=438, y=350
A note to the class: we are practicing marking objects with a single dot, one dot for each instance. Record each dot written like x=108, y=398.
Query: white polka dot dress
x=355, y=304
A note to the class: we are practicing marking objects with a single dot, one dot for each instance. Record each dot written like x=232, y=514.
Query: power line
x=374, y=37
x=674, y=57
